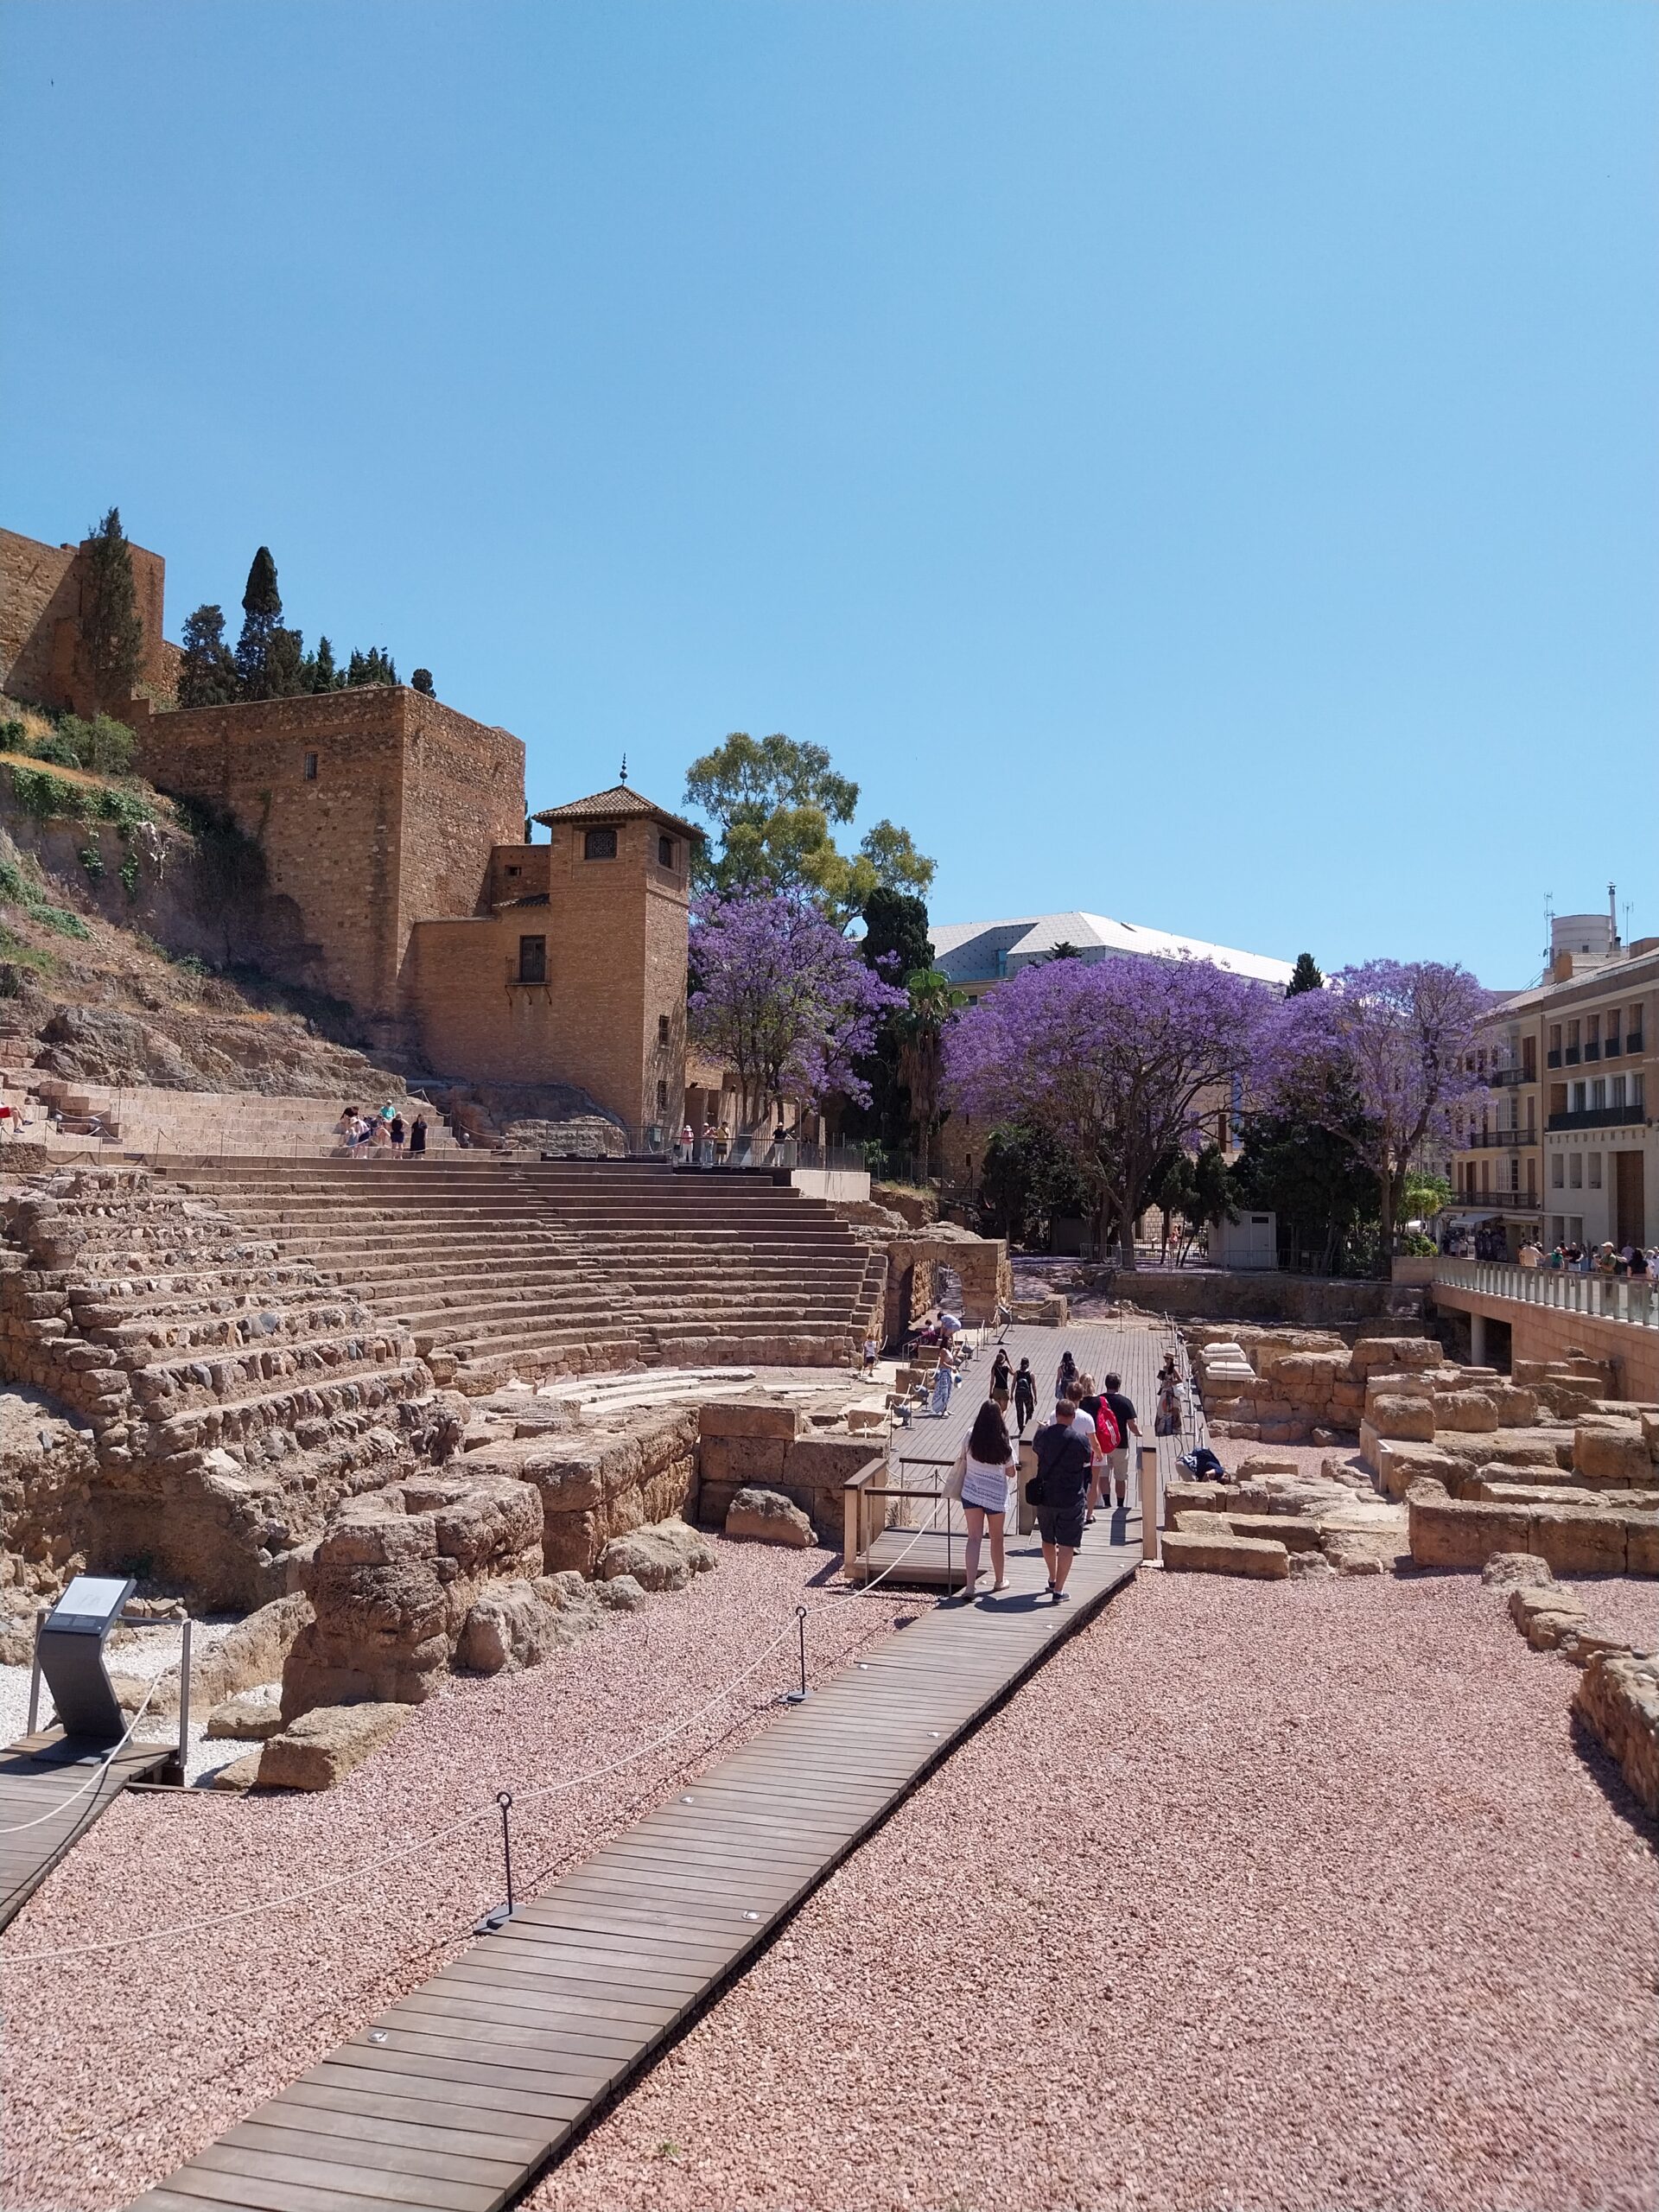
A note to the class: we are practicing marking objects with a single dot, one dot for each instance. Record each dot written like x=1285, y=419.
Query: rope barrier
x=464, y=1820
x=93, y=1779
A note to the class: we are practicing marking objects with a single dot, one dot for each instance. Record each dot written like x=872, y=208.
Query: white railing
x=1604, y=1298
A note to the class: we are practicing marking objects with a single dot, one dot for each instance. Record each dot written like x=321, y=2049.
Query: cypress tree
x=208, y=674
x=319, y=671
x=1304, y=976
x=262, y=610
x=422, y=682
x=112, y=632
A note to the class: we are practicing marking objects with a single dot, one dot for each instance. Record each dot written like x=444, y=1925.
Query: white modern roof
x=983, y=952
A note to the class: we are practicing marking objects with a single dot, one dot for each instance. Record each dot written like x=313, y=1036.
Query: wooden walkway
x=46, y=1804
x=459, y=2094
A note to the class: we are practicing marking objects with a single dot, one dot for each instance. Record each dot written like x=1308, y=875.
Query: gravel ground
x=1260, y=1899
x=116, y=2066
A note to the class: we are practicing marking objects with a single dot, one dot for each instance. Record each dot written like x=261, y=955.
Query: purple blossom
x=783, y=999
x=1116, y=1059
x=1379, y=1057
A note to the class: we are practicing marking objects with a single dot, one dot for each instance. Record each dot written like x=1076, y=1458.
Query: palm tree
x=920, y=1034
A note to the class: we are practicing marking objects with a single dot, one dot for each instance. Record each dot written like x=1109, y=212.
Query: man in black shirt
x=1064, y=1463
x=1118, y=1463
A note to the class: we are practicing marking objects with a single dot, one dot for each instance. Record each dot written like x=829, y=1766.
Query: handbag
x=1035, y=1493
x=953, y=1480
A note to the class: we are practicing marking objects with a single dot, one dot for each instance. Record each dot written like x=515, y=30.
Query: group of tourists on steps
x=1083, y=1461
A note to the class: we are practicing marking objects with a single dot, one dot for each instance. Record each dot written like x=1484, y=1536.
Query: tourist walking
x=1117, y=1459
x=872, y=1353
x=399, y=1136
x=1001, y=1379
x=417, y=1138
x=945, y=1380
x=983, y=1479
x=722, y=1144
x=1025, y=1395
x=1167, y=1421
x=1065, y=1375
x=1058, y=1490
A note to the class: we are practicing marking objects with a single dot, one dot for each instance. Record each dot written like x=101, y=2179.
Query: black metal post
x=799, y=1696
x=499, y=1916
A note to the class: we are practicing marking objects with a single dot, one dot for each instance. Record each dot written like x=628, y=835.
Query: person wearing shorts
x=1115, y=1477
x=1064, y=1463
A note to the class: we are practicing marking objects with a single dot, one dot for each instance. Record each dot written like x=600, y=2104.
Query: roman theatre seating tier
x=503, y=1267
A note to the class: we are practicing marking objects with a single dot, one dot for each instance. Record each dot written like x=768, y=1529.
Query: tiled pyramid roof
x=621, y=803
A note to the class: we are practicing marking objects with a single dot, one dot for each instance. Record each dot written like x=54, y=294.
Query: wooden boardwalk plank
x=454, y=2098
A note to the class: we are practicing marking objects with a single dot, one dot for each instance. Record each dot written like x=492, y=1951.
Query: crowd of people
x=713, y=1147
x=1083, y=1464
x=1626, y=1261
x=382, y=1135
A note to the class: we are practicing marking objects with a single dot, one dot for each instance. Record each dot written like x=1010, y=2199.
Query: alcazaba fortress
x=401, y=863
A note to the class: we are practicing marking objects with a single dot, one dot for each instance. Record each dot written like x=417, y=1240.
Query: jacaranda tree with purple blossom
x=1378, y=1058
x=1113, y=1058
x=783, y=999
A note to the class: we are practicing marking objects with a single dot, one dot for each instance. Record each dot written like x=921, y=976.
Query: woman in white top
x=987, y=1467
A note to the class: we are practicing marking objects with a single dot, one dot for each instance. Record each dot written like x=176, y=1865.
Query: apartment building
x=1560, y=1142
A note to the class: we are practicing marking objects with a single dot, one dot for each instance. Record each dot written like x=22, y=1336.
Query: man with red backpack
x=1096, y=1425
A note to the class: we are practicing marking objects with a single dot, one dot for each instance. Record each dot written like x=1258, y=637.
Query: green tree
x=1195, y=1189
x=895, y=943
x=318, y=669
x=1065, y=951
x=375, y=667
x=259, y=657
x=1026, y=1182
x=103, y=745
x=920, y=1030
x=1304, y=976
x=774, y=805
x=1326, y=1199
x=207, y=674
x=422, y=682
x=110, y=631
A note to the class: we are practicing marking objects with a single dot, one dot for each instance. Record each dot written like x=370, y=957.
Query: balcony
x=1521, y=1202
x=1510, y=1078
x=1553, y=1060
x=1502, y=1140
x=1633, y=1045
x=1601, y=1118
x=1573, y=1056
x=1592, y=1051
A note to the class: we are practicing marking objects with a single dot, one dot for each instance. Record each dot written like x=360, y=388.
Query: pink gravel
x=1274, y=1898
x=114, y=2068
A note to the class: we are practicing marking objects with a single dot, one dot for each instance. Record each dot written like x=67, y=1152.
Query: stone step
x=253, y=1412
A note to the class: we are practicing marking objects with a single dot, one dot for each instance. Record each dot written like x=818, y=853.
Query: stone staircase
x=235, y=1395
x=501, y=1267
x=112, y=1121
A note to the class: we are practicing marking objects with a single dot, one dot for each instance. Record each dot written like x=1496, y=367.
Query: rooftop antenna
x=625, y=767
x=1612, y=910
x=1549, y=928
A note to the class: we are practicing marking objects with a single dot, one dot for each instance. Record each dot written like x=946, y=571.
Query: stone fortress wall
x=40, y=658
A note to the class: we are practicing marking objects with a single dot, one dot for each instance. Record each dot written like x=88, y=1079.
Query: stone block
x=826, y=1463
x=1612, y=1450
x=322, y=1746
x=744, y=1458
x=767, y=1517
x=1410, y=1420
x=508, y=1627
x=1193, y=1497
x=1516, y=1570
x=245, y=1720
x=1206, y=1553
x=1275, y=1527
x=1472, y=1411
x=663, y=1558
x=238, y=1776
x=1455, y=1533
x=1618, y=1696
x=731, y=1417
x=1400, y=1464
x=1642, y=1546
x=1255, y=1466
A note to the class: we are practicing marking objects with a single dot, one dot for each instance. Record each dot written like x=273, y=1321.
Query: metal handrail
x=1631, y=1302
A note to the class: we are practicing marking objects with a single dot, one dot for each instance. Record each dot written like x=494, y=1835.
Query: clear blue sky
x=1195, y=462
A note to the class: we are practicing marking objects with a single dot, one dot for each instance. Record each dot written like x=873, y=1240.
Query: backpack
x=1106, y=1433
